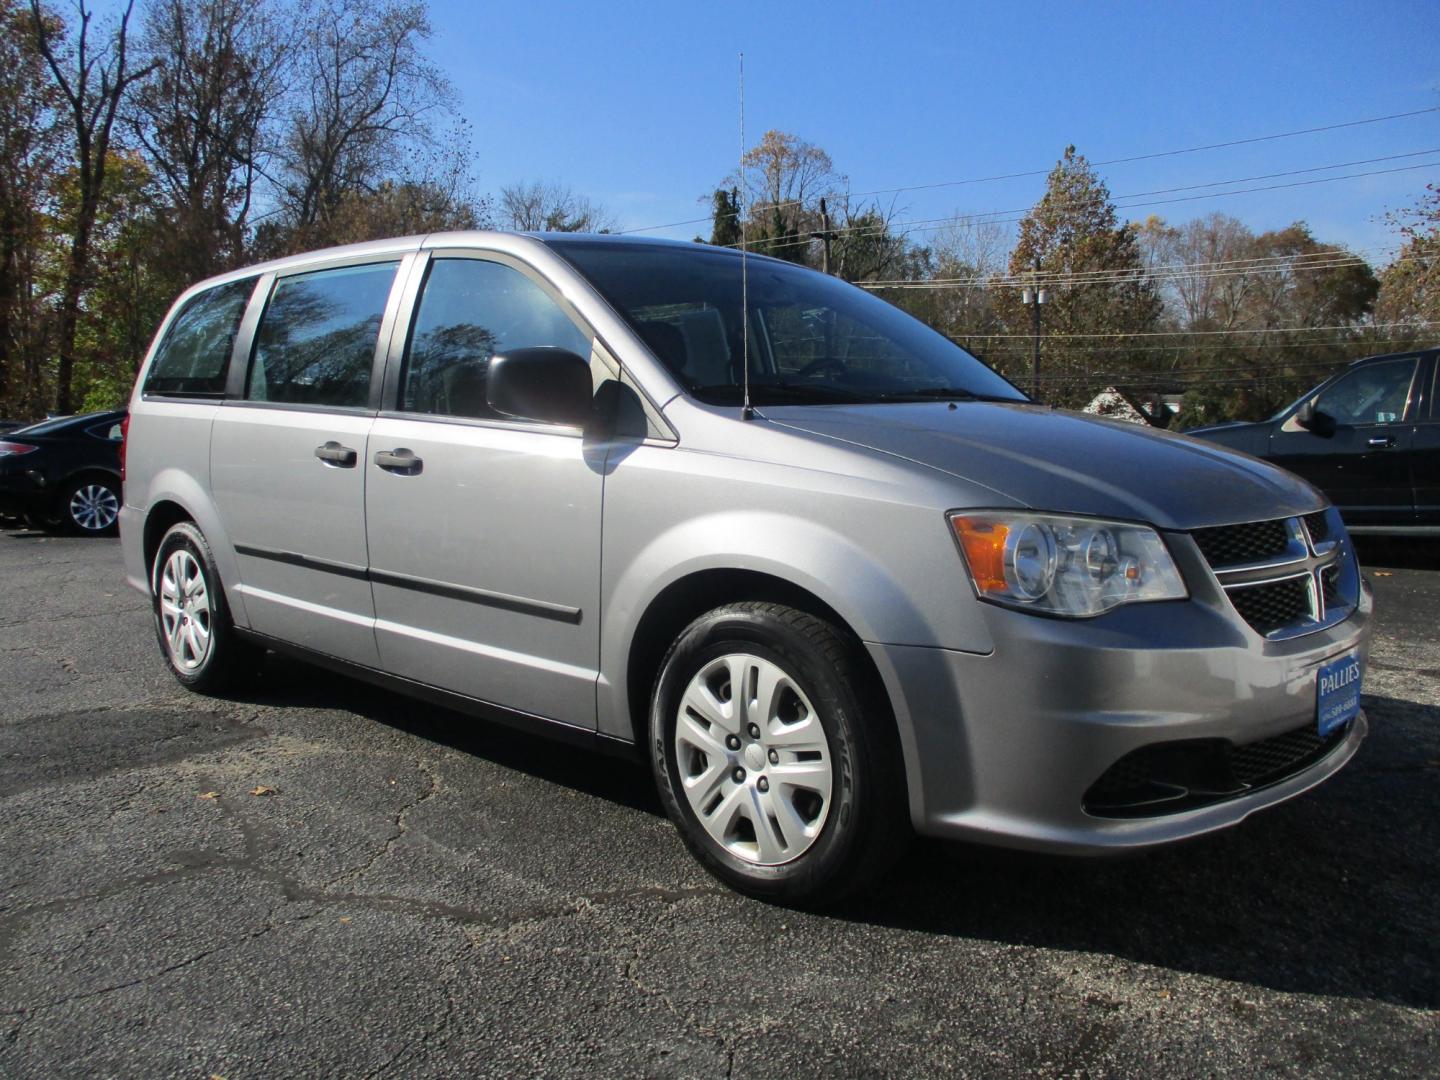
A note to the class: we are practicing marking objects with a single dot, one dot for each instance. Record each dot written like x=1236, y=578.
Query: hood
x=1229, y=425
x=1068, y=462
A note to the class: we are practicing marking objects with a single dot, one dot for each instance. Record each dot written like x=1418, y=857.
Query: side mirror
x=545, y=384
x=1314, y=421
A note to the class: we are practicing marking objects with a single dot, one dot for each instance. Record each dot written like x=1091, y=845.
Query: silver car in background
x=834, y=578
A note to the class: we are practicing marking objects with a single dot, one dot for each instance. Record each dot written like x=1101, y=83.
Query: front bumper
x=1001, y=748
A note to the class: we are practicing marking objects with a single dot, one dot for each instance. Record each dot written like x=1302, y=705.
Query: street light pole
x=1034, y=297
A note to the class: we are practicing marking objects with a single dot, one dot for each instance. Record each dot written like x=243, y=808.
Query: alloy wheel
x=94, y=507
x=186, y=619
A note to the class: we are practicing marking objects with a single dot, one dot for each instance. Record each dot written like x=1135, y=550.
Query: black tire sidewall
x=187, y=536
x=762, y=632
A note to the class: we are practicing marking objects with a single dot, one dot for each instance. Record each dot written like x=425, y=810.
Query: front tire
x=775, y=760
x=192, y=620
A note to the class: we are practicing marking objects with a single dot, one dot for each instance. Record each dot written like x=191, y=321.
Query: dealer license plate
x=1337, y=692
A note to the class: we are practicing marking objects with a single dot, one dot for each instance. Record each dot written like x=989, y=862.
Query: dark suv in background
x=1369, y=437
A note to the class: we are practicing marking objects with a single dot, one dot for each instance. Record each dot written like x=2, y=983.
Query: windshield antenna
x=746, y=412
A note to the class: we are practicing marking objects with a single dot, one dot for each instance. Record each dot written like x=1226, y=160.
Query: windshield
x=813, y=338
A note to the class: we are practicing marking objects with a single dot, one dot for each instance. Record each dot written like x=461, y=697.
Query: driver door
x=1363, y=462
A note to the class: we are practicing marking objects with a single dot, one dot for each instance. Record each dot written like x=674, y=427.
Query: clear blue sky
x=634, y=104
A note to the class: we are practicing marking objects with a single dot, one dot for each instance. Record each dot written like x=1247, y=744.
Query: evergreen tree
x=725, y=215
x=1074, y=230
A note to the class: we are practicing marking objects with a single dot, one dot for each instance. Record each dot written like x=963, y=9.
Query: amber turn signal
x=983, y=542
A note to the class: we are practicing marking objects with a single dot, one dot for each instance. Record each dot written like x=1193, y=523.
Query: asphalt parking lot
x=323, y=879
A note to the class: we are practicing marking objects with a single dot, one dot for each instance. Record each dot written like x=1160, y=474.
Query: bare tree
x=365, y=93
x=967, y=252
x=785, y=172
x=866, y=246
x=201, y=116
x=550, y=206
x=92, y=82
x=784, y=178
x=978, y=246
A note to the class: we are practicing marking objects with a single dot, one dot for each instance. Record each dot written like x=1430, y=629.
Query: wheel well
x=87, y=473
x=685, y=600
x=158, y=522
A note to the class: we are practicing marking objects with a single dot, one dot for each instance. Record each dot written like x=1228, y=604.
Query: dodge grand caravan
x=830, y=575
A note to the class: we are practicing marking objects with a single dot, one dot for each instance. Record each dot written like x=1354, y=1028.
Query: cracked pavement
x=422, y=895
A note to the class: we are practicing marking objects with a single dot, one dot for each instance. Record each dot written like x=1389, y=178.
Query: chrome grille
x=1285, y=576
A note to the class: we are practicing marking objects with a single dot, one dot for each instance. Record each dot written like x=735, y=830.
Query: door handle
x=400, y=460
x=1382, y=441
x=332, y=453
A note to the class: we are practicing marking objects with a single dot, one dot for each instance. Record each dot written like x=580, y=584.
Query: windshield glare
x=813, y=339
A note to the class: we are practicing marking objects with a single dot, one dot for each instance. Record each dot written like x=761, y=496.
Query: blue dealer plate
x=1337, y=692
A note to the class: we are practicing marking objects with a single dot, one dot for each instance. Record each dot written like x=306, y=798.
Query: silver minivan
x=834, y=578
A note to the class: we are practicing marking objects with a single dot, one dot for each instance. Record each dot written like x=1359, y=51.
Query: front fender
x=862, y=585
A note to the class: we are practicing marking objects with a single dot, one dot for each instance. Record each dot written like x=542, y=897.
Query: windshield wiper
x=952, y=393
x=777, y=393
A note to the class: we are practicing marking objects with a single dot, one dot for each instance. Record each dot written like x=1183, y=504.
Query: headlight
x=1064, y=565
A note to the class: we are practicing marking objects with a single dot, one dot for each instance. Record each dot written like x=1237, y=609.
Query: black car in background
x=64, y=473
x=1369, y=437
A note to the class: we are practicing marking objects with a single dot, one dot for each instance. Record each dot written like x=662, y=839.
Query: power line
x=924, y=224
x=1096, y=164
x=1290, y=369
x=1216, y=333
x=1119, y=278
x=978, y=341
x=1061, y=277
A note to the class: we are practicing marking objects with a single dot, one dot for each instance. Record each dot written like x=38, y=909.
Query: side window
x=469, y=310
x=316, y=341
x=106, y=432
x=1373, y=394
x=193, y=358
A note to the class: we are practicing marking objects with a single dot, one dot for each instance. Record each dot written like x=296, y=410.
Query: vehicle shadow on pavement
x=1336, y=892
x=1333, y=893
x=625, y=781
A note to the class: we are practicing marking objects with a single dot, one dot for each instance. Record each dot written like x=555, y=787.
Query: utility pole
x=825, y=235
x=1033, y=297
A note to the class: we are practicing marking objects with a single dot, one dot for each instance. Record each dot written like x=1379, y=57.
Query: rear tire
x=789, y=788
x=192, y=620
x=90, y=506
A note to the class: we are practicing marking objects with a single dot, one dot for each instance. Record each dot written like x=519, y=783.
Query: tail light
x=124, y=434
x=9, y=448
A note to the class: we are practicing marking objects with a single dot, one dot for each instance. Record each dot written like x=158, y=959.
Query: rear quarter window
x=194, y=357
